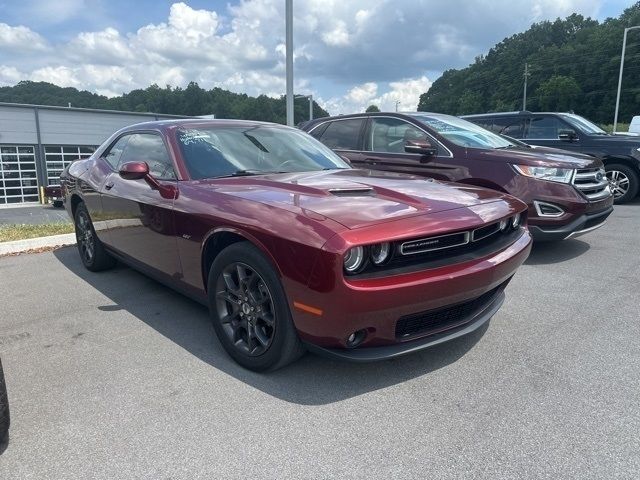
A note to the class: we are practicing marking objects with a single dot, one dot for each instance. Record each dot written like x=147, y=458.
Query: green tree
x=559, y=93
x=582, y=54
x=192, y=100
x=372, y=108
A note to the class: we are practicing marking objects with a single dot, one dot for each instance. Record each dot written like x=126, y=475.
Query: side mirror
x=134, y=170
x=140, y=171
x=567, y=135
x=420, y=147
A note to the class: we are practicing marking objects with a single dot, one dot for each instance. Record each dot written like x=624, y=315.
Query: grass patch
x=9, y=233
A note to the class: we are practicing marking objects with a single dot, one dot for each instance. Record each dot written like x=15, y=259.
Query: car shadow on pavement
x=312, y=380
x=545, y=253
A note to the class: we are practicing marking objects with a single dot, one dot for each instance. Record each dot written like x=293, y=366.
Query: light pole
x=398, y=102
x=310, y=97
x=289, y=58
x=624, y=46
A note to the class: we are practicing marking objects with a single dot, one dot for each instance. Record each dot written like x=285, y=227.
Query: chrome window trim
x=436, y=141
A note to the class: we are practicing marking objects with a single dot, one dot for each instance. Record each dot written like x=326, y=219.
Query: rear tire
x=250, y=311
x=5, y=419
x=58, y=204
x=92, y=252
x=624, y=182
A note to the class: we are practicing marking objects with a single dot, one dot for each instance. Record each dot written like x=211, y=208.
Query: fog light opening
x=356, y=338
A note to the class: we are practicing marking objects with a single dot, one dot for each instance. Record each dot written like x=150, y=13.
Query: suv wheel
x=623, y=181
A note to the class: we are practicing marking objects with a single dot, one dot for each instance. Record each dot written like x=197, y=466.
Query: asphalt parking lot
x=112, y=375
x=32, y=214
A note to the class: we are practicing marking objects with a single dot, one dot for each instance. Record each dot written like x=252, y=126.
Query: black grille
x=434, y=321
x=431, y=244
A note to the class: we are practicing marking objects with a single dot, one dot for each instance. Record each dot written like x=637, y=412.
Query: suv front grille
x=592, y=183
x=435, y=321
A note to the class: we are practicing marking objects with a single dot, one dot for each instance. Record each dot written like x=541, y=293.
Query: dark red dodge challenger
x=288, y=245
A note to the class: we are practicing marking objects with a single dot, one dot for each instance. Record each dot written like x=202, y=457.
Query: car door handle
x=108, y=185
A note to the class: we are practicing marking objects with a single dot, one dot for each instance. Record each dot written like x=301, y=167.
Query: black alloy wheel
x=245, y=308
x=92, y=252
x=250, y=311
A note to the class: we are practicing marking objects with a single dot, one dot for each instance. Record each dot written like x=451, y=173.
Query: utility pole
x=524, y=93
x=624, y=45
x=397, y=103
x=289, y=58
x=310, y=98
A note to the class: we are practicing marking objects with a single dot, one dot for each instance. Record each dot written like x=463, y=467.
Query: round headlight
x=380, y=252
x=353, y=259
x=515, y=221
x=503, y=225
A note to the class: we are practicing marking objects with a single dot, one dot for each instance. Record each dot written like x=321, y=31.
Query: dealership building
x=38, y=141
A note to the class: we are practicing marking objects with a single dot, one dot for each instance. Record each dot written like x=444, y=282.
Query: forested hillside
x=191, y=100
x=573, y=65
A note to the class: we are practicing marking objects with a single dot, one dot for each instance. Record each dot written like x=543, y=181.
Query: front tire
x=249, y=310
x=4, y=409
x=623, y=181
x=92, y=252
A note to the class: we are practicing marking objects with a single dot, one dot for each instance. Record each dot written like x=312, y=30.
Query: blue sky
x=348, y=54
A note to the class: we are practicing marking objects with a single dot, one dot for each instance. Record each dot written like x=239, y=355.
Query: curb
x=19, y=246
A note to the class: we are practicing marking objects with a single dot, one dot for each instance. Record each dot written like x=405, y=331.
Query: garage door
x=18, y=177
x=57, y=157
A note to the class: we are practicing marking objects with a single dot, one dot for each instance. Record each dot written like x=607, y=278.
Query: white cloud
x=338, y=36
x=20, y=38
x=357, y=99
x=352, y=53
x=10, y=75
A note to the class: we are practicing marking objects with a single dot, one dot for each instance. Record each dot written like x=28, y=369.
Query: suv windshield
x=463, y=133
x=583, y=124
x=211, y=152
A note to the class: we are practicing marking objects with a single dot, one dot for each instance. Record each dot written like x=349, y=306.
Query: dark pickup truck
x=567, y=131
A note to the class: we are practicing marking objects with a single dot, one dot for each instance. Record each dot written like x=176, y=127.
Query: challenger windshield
x=224, y=151
x=463, y=133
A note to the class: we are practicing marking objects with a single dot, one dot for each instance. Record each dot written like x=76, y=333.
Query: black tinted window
x=343, y=134
x=147, y=147
x=512, y=127
x=115, y=152
x=547, y=128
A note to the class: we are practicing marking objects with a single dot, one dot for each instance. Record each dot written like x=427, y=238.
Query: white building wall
x=17, y=125
x=60, y=127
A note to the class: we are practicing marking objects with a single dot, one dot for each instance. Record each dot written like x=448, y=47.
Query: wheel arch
x=628, y=161
x=220, y=238
x=75, y=201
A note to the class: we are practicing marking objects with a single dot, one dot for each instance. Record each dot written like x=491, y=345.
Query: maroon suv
x=567, y=194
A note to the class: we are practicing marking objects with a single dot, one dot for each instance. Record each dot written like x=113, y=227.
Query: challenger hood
x=354, y=198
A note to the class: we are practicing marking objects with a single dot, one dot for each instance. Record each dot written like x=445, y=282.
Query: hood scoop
x=352, y=192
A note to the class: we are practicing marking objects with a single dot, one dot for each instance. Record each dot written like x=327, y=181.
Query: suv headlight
x=562, y=175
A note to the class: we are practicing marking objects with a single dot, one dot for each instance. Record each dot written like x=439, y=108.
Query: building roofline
x=89, y=110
